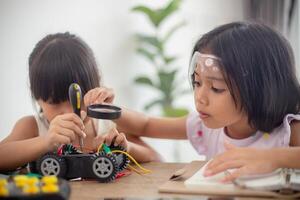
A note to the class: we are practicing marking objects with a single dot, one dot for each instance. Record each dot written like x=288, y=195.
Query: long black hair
x=259, y=69
x=57, y=61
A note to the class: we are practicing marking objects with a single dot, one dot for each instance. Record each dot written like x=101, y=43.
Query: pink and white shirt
x=210, y=142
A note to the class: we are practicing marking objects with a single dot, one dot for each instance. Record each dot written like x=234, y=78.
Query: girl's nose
x=201, y=96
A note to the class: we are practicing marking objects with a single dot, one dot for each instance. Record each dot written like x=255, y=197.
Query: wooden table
x=132, y=186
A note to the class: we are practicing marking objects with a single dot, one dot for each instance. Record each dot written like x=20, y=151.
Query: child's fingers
x=222, y=167
x=73, y=117
x=102, y=95
x=61, y=139
x=87, y=97
x=98, y=96
x=228, y=155
x=94, y=98
x=217, y=160
x=106, y=95
x=120, y=140
x=54, y=140
x=70, y=125
x=78, y=122
x=113, y=133
x=83, y=115
x=67, y=133
x=233, y=175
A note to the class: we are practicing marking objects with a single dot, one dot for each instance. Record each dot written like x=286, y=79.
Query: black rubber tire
x=51, y=164
x=104, y=167
x=122, y=159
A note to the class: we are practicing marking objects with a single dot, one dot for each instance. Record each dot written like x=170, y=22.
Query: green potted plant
x=153, y=48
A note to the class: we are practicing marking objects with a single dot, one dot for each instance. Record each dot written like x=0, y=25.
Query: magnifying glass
x=104, y=111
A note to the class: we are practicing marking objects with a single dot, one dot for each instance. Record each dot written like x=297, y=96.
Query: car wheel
x=51, y=164
x=122, y=159
x=104, y=167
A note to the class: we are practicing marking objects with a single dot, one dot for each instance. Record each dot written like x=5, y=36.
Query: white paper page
x=199, y=180
x=271, y=181
x=295, y=178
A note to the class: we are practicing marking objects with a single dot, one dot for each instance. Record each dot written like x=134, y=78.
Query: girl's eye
x=217, y=90
x=196, y=83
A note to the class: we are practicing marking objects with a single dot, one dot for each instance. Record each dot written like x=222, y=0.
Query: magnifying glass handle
x=75, y=97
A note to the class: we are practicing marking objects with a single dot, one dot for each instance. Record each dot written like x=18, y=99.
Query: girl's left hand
x=99, y=95
x=113, y=137
x=245, y=161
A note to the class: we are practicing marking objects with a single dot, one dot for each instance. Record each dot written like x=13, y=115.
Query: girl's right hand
x=99, y=95
x=244, y=160
x=63, y=129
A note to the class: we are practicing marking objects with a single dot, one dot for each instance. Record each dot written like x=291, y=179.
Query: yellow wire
x=133, y=169
x=99, y=148
x=144, y=170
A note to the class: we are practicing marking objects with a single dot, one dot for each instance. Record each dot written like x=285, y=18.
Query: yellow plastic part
x=33, y=189
x=3, y=192
x=20, y=180
x=3, y=182
x=49, y=180
x=50, y=188
x=32, y=181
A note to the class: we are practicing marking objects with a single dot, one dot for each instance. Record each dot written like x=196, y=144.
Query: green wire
x=106, y=149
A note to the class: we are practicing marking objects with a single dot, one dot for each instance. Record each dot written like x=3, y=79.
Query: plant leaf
x=167, y=11
x=151, y=40
x=158, y=15
x=147, y=54
x=169, y=59
x=166, y=82
x=150, y=13
x=144, y=80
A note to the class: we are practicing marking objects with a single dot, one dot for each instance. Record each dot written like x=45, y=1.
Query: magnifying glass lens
x=103, y=111
x=106, y=110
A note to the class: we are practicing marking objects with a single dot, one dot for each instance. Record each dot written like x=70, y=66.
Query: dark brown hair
x=57, y=61
x=258, y=66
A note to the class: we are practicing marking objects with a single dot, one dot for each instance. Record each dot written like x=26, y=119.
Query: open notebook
x=189, y=180
x=281, y=179
x=199, y=180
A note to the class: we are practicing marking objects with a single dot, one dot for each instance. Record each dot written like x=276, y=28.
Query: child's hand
x=113, y=137
x=246, y=161
x=64, y=129
x=98, y=96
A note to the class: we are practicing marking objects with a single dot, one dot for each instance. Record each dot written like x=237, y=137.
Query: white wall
x=108, y=27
